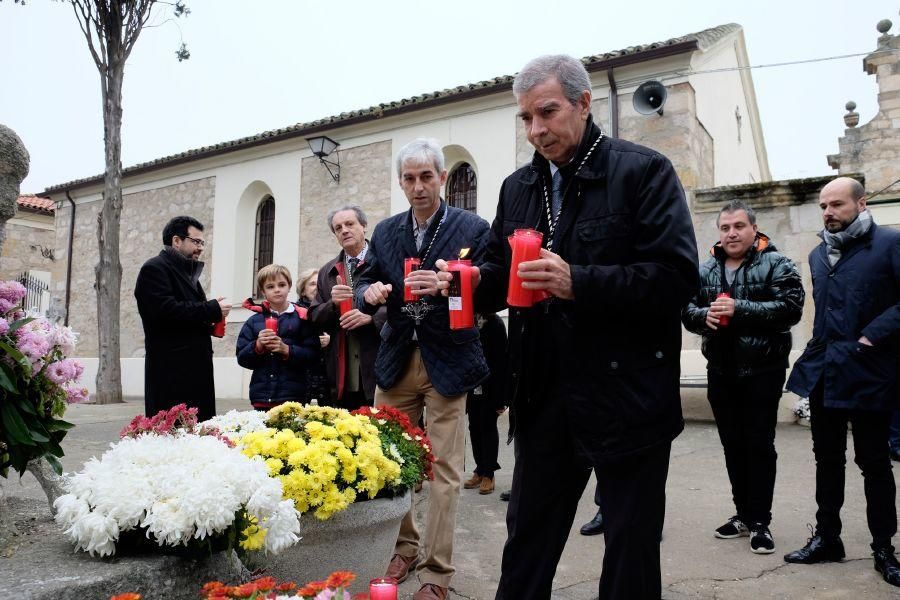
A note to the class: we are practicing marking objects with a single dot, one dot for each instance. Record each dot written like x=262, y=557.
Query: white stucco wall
x=718, y=95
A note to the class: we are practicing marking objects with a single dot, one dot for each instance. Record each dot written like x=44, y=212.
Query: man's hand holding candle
x=377, y=293
x=422, y=282
x=445, y=276
x=549, y=273
x=341, y=291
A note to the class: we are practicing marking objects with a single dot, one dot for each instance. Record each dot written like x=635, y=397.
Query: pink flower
x=12, y=291
x=61, y=371
x=76, y=395
x=4, y=326
x=6, y=305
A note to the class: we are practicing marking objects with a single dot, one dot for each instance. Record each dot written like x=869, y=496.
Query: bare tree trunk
x=108, y=271
x=8, y=529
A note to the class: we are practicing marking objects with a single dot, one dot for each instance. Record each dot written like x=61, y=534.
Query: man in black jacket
x=422, y=364
x=178, y=321
x=750, y=296
x=595, y=368
x=849, y=371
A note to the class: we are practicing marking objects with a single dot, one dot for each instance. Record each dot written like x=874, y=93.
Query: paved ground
x=695, y=565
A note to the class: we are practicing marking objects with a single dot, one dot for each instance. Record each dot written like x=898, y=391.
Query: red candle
x=410, y=265
x=219, y=328
x=383, y=588
x=724, y=319
x=272, y=324
x=526, y=246
x=460, y=296
x=346, y=306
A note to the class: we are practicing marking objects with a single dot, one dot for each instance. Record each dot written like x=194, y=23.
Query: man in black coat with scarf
x=595, y=368
x=178, y=321
x=849, y=371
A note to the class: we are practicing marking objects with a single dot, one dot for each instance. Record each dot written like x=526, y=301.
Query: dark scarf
x=189, y=267
x=836, y=242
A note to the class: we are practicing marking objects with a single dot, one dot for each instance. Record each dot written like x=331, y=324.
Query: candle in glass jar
x=410, y=265
x=383, y=588
x=460, y=294
x=219, y=329
x=724, y=319
x=526, y=246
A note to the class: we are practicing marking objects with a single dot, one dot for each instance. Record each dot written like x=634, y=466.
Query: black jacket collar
x=595, y=168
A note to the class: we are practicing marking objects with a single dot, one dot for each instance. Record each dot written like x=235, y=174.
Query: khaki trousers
x=445, y=422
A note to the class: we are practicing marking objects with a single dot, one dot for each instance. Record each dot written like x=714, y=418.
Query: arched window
x=265, y=237
x=462, y=187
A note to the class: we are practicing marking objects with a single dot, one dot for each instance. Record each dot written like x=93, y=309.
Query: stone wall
x=29, y=245
x=874, y=148
x=144, y=214
x=366, y=179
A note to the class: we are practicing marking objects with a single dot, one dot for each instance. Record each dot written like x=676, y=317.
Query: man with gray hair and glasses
x=423, y=365
x=594, y=367
x=354, y=334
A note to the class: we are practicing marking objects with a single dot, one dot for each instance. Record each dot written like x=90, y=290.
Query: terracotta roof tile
x=36, y=203
x=702, y=40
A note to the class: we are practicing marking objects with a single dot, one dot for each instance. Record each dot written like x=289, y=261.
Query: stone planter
x=360, y=539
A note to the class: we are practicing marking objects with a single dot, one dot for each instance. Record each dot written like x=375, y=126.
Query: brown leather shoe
x=430, y=591
x=487, y=486
x=400, y=566
x=474, y=482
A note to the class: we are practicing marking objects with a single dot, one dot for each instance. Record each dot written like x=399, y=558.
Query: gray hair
x=736, y=205
x=421, y=150
x=360, y=215
x=568, y=71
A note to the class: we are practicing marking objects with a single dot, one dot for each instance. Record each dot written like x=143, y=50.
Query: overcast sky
x=284, y=62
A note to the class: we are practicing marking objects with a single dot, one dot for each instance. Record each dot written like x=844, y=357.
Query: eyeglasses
x=199, y=242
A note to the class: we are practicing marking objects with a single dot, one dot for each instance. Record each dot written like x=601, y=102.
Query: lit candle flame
x=463, y=253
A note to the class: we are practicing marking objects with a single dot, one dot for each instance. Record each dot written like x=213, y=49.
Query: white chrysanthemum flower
x=178, y=488
x=236, y=423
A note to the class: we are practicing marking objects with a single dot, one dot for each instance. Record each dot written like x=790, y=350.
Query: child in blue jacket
x=278, y=359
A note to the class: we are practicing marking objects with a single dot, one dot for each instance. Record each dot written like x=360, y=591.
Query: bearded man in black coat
x=178, y=321
x=595, y=368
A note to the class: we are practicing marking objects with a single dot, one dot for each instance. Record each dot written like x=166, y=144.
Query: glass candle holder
x=526, y=246
x=460, y=294
x=383, y=588
x=410, y=265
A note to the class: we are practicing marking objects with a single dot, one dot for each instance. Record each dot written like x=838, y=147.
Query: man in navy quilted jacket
x=422, y=365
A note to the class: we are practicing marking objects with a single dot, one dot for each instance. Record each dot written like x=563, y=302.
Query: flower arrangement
x=267, y=588
x=177, y=420
x=235, y=424
x=37, y=382
x=325, y=457
x=403, y=442
x=178, y=489
x=801, y=408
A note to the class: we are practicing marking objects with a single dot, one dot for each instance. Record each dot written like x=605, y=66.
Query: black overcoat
x=178, y=321
x=858, y=296
x=610, y=358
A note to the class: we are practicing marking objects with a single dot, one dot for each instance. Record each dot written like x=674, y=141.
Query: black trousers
x=539, y=519
x=483, y=434
x=746, y=411
x=870, y=443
